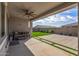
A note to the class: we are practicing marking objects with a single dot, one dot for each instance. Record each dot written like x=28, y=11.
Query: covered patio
x=18, y=18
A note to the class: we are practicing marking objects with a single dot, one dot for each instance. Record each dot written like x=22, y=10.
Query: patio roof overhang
x=60, y=8
x=41, y=9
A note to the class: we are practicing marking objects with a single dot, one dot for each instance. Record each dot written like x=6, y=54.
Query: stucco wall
x=67, y=30
x=19, y=25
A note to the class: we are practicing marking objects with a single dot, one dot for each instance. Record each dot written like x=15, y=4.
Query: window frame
x=2, y=17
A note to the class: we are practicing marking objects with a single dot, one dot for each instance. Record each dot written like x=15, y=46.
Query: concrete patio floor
x=39, y=48
x=19, y=50
x=69, y=41
x=42, y=49
x=35, y=47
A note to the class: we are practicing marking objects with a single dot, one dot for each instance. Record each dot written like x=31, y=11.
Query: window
x=2, y=21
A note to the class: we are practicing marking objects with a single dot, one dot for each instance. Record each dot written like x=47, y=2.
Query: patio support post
x=30, y=28
x=6, y=29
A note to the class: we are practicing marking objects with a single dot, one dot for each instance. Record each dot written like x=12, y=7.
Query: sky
x=60, y=19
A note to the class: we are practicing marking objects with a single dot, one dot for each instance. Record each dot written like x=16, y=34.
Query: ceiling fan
x=28, y=12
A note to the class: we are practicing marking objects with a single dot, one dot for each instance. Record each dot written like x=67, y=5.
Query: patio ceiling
x=39, y=8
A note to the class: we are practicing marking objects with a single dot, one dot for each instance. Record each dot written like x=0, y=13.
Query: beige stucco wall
x=19, y=25
x=67, y=30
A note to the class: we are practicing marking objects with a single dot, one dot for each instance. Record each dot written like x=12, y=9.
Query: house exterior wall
x=68, y=30
x=19, y=25
x=43, y=29
x=14, y=24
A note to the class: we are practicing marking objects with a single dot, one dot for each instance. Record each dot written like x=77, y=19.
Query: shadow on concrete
x=19, y=50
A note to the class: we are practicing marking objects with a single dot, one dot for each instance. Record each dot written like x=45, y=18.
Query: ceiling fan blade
x=33, y=15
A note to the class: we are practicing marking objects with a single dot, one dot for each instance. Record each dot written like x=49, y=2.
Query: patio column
x=30, y=27
x=6, y=29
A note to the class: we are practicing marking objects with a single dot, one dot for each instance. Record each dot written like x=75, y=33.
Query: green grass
x=35, y=34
